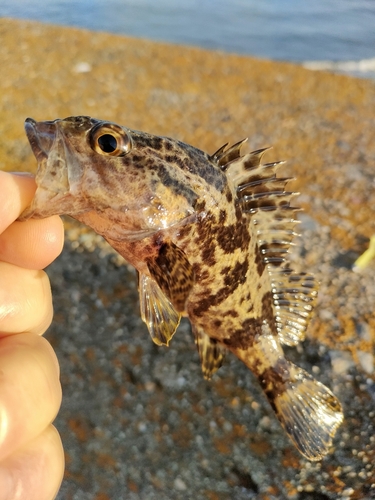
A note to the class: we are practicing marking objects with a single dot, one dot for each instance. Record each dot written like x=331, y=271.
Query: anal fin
x=157, y=311
x=211, y=353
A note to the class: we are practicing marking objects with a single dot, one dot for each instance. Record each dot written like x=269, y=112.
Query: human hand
x=31, y=454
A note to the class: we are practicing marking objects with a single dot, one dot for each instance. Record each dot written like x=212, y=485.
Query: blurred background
x=338, y=35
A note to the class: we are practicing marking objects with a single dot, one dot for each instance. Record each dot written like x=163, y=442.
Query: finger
x=30, y=390
x=35, y=471
x=33, y=244
x=17, y=191
x=25, y=300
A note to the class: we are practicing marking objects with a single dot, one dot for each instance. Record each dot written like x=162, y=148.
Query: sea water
x=337, y=35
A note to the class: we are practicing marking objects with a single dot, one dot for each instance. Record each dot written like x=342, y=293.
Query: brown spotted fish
x=209, y=237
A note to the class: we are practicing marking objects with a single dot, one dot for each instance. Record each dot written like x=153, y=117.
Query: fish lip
x=41, y=136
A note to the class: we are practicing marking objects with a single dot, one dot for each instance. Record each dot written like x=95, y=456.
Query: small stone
x=265, y=422
x=341, y=361
x=179, y=484
x=364, y=331
x=325, y=314
x=82, y=67
x=142, y=427
x=366, y=360
x=348, y=491
x=150, y=386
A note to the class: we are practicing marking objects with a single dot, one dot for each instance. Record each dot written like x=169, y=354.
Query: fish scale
x=209, y=237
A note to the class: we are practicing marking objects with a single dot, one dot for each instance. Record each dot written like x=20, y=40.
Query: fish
x=209, y=236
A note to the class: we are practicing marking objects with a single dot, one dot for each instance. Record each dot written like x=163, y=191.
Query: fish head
x=112, y=178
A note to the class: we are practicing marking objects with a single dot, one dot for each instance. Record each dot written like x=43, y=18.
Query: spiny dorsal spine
x=263, y=196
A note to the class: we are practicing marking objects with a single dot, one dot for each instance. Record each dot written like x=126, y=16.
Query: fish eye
x=107, y=143
x=109, y=139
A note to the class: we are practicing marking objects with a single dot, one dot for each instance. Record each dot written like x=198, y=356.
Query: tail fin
x=308, y=411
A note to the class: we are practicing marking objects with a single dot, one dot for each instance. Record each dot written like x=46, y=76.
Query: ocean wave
x=363, y=67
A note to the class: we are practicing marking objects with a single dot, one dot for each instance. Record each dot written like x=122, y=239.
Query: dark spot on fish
x=243, y=338
x=156, y=143
x=222, y=216
x=197, y=268
x=205, y=239
x=232, y=281
x=151, y=142
x=136, y=158
x=251, y=328
x=199, y=206
x=142, y=140
x=229, y=195
x=202, y=305
x=185, y=231
x=273, y=380
x=204, y=275
x=250, y=308
x=152, y=167
x=208, y=253
x=239, y=213
x=237, y=275
x=201, y=272
x=185, y=163
x=233, y=236
x=232, y=313
x=180, y=188
x=80, y=120
x=200, y=164
x=217, y=323
x=183, y=166
x=259, y=262
x=225, y=270
x=126, y=161
x=267, y=310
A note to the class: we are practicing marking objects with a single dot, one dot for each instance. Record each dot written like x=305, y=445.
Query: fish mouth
x=47, y=144
x=41, y=136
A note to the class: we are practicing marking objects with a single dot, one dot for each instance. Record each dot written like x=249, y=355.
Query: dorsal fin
x=224, y=156
x=264, y=197
x=217, y=155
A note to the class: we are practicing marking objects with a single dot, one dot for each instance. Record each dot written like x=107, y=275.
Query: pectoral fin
x=173, y=273
x=210, y=352
x=157, y=311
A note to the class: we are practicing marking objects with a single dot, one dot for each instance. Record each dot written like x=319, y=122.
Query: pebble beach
x=138, y=421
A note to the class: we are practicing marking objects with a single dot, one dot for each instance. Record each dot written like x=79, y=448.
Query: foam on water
x=364, y=68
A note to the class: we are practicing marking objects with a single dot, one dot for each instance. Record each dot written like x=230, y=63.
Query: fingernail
x=6, y=485
x=23, y=174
